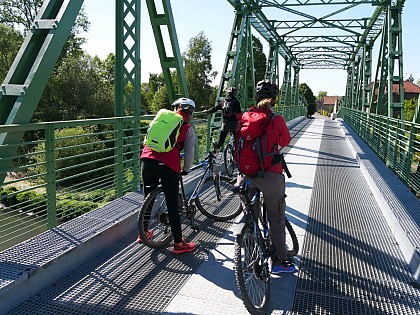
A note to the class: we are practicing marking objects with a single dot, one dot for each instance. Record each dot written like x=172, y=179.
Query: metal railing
x=64, y=169
x=395, y=141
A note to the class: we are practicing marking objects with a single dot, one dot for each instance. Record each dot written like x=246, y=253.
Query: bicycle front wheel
x=216, y=199
x=229, y=162
x=153, y=221
x=252, y=275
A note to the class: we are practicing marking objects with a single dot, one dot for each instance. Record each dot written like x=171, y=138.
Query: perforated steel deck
x=127, y=278
x=351, y=263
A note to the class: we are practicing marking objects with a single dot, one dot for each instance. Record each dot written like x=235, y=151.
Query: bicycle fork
x=260, y=264
x=216, y=183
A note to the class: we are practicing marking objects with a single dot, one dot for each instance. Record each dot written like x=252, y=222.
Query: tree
x=260, y=60
x=410, y=78
x=106, y=68
x=198, y=70
x=20, y=14
x=409, y=109
x=148, y=91
x=160, y=100
x=321, y=95
x=10, y=42
x=306, y=91
x=77, y=90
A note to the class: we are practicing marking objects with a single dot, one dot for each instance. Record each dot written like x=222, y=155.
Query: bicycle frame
x=190, y=201
x=209, y=167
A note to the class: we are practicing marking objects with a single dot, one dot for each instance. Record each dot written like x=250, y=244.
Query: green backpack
x=164, y=130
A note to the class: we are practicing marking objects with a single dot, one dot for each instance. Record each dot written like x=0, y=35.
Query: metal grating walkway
x=350, y=263
x=127, y=278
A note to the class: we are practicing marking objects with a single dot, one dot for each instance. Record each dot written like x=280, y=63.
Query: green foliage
x=19, y=13
x=74, y=147
x=26, y=201
x=260, y=60
x=96, y=195
x=69, y=205
x=148, y=91
x=69, y=209
x=25, y=196
x=198, y=70
x=30, y=201
x=10, y=41
x=198, y=73
x=106, y=69
x=409, y=109
x=160, y=100
x=76, y=90
x=321, y=95
x=306, y=91
x=8, y=196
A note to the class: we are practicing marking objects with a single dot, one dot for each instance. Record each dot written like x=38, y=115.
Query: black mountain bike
x=212, y=195
x=253, y=250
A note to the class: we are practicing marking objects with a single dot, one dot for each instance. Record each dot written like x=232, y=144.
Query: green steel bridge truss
x=300, y=34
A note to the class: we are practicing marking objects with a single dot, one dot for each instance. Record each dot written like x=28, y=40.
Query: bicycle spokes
x=160, y=221
x=252, y=274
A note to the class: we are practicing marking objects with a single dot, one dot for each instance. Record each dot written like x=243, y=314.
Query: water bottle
x=204, y=164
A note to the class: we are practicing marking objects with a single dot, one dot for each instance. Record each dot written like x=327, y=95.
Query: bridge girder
x=341, y=43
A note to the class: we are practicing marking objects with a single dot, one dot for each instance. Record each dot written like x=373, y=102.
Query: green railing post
x=119, y=166
x=396, y=148
x=409, y=155
x=50, y=176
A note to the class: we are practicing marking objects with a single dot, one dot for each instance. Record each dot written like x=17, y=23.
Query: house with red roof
x=327, y=103
x=411, y=91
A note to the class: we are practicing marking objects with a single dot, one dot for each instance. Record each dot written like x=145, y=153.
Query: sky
x=215, y=19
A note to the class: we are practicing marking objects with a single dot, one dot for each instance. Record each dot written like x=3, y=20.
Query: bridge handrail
x=64, y=169
x=396, y=142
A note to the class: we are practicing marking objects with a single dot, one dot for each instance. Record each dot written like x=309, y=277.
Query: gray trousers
x=272, y=186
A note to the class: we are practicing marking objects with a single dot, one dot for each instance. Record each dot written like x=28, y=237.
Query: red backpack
x=253, y=152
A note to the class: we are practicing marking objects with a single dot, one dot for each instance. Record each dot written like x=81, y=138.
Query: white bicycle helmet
x=186, y=103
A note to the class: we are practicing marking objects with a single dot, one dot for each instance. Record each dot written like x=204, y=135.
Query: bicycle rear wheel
x=228, y=159
x=252, y=276
x=153, y=220
x=292, y=244
x=216, y=199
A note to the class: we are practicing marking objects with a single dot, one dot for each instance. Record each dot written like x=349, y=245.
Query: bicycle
x=212, y=195
x=253, y=250
x=230, y=165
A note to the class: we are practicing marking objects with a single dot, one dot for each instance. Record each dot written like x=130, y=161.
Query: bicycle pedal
x=195, y=228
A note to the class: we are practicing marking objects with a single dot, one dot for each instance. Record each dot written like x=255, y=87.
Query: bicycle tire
x=227, y=208
x=229, y=161
x=253, y=280
x=153, y=216
x=292, y=243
